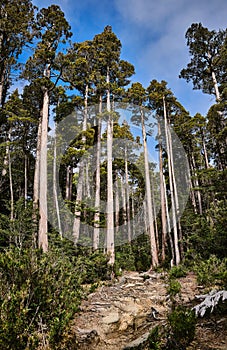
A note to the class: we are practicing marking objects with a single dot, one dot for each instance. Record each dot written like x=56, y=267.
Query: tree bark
x=43, y=229
x=110, y=204
x=150, y=218
x=97, y=181
x=174, y=218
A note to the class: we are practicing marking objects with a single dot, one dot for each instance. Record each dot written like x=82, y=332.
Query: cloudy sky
x=152, y=33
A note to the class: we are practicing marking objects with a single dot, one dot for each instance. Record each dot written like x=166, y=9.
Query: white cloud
x=156, y=31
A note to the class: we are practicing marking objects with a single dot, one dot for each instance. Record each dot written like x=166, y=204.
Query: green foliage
x=211, y=271
x=154, y=339
x=174, y=287
x=177, y=272
x=182, y=324
x=39, y=294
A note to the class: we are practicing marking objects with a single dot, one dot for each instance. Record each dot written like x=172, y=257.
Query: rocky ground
x=120, y=315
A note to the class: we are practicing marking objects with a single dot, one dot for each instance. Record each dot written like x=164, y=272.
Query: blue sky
x=152, y=33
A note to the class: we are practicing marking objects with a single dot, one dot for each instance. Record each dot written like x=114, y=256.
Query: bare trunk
x=79, y=196
x=173, y=204
x=37, y=167
x=110, y=204
x=55, y=188
x=42, y=234
x=205, y=154
x=117, y=205
x=10, y=181
x=127, y=196
x=154, y=251
x=176, y=195
x=196, y=182
x=162, y=196
x=68, y=186
x=192, y=195
x=97, y=182
x=216, y=89
x=25, y=180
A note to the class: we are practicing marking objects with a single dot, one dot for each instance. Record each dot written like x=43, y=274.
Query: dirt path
x=115, y=317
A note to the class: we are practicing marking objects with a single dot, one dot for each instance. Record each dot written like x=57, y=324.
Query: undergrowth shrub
x=182, y=323
x=211, y=271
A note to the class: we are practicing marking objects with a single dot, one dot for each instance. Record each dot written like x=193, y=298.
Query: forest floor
x=119, y=316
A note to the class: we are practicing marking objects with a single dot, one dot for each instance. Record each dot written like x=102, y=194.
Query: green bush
x=174, y=287
x=39, y=294
x=182, y=323
x=177, y=272
x=211, y=271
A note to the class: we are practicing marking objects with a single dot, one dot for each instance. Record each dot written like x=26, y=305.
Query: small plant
x=154, y=339
x=182, y=322
x=211, y=271
x=174, y=287
x=177, y=272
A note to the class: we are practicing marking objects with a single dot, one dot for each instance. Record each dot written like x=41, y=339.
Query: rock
x=113, y=317
x=87, y=337
x=125, y=322
x=136, y=344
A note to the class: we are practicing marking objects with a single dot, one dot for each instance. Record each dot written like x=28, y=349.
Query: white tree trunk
x=110, y=204
x=162, y=196
x=43, y=228
x=97, y=182
x=79, y=196
x=150, y=218
x=175, y=231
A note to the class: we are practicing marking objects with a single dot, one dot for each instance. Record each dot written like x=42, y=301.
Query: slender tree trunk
x=110, y=204
x=205, y=153
x=123, y=196
x=127, y=196
x=216, y=89
x=43, y=228
x=79, y=196
x=117, y=205
x=174, y=217
x=10, y=181
x=55, y=193
x=192, y=195
x=162, y=197
x=37, y=167
x=68, y=186
x=97, y=181
x=154, y=251
x=25, y=180
x=196, y=182
x=175, y=195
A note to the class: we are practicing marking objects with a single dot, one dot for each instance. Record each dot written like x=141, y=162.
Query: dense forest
x=98, y=174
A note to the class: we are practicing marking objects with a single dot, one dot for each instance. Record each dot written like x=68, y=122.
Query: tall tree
x=206, y=69
x=53, y=29
x=137, y=95
x=116, y=73
x=16, y=21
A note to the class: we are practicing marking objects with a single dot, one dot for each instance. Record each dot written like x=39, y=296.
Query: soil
x=121, y=314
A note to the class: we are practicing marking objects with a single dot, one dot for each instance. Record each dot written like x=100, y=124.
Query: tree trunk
x=43, y=229
x=110, y=204
x=55, y=193
x=216, y=89
x=175, y=232
x=127, y=196
x=151, y=231
x=97, y=181
x=68, y=186
x=162, y=196
x=25, y=180
x=10, y=180
x=196, y=182
x=79, y=196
